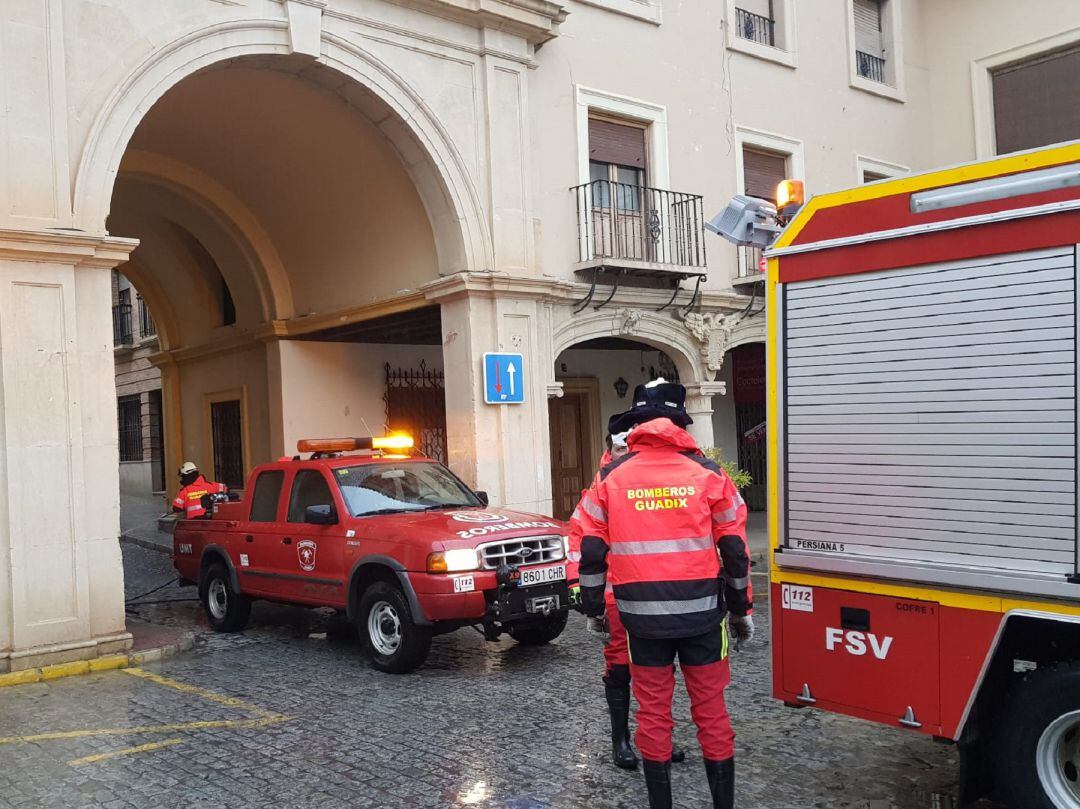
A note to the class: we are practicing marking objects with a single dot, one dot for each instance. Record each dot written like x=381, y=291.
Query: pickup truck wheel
x=540, y=632
x=396, y=644
x=226, y=609
x=1038, y=740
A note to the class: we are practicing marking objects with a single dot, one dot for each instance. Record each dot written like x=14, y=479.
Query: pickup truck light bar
x=394, y=441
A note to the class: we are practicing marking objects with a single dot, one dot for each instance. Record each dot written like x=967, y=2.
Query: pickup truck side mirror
x=482, y=497
x=320, y=515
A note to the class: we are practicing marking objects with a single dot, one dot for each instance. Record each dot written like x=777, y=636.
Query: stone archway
x=452, y=202
x=696, y=346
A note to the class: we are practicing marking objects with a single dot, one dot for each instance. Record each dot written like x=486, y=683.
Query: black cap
x=664, y=401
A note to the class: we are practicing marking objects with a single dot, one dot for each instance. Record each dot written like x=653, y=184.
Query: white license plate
x=542, y=575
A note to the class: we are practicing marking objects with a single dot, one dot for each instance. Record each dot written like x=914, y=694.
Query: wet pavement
x=287, y=716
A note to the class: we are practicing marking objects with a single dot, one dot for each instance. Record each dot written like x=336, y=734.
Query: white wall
x=332, y=390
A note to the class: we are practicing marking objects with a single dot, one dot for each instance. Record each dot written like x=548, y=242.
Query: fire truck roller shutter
x=932, y=414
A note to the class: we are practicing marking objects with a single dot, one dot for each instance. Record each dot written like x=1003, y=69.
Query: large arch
x=449, y=195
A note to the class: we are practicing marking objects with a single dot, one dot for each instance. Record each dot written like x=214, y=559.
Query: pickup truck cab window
x=264, y=500
x=309, y=489
x=386, y=488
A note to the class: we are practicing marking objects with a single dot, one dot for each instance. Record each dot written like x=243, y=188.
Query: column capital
x=73, y=247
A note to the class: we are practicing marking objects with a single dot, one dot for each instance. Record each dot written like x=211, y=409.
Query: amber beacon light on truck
x=395, y=442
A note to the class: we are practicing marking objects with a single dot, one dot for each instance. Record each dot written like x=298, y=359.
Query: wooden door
x=568, y=456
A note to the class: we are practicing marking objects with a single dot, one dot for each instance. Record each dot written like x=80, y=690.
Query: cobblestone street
x=285, y=716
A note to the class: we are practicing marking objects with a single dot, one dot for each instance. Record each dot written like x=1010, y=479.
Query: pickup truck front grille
x=522, y=551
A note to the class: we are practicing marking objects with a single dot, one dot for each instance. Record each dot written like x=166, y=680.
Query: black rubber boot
x=618, y=701
x=678, y=755
x=721, y=775
x=658, y=782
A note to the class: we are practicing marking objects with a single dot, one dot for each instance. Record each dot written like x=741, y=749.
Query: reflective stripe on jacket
x=661, y=521
x=189, y=499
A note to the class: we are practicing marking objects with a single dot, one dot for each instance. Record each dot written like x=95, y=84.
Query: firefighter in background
x=616, y=653
x=193, y=487
x=654, y=525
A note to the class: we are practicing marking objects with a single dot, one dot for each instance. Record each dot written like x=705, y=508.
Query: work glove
x=575, y=597
x=742, y=628
x=600, y=626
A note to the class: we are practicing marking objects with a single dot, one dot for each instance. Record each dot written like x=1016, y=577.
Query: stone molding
x=65, y=247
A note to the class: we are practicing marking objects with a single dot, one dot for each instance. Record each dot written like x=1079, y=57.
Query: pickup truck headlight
x=457, y=560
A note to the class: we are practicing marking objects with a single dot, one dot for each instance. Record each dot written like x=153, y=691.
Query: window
x=754, y=21
x=762, y=172
x=875, y=44
x=869, y=40
x=1036, y=102
x=226, y=431
x=309, y=489
x=129, y=422
x=383, y=488
x=228, y=308
x=869, y=170
x=264, y=501
x=764, y=160
x=762, y=28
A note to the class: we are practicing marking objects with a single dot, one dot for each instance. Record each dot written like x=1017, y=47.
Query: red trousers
x=616, y=650
x=704, y=663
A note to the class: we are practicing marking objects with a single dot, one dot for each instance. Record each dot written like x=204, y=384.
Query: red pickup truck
x=397, y=542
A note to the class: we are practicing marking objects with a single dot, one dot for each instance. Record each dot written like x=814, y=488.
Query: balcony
x=121, y=321
x=870, y=67
x=750, y=269
x=755, y=28
x=147, y=328
x=638, y=229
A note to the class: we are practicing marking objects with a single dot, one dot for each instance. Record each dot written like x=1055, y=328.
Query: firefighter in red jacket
x=616, y=650
x=655, y=525
x=193, y=487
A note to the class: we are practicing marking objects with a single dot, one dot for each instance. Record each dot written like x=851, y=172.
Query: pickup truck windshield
x=383, y=488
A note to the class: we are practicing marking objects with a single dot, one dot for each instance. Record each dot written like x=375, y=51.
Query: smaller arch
x=650, y=328
x=231, y=213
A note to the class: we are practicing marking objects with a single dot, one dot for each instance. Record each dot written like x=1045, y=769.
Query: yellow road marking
x=206, y=694
x=142, y=748
x=177, y=726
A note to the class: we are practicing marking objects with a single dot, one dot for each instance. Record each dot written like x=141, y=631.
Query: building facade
x=335, y=208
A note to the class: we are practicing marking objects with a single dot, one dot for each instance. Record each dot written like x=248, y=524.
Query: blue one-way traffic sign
x=504, y=379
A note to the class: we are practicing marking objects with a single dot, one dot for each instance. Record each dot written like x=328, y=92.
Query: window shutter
x=1037, y=102
x=616, y=143
x=868, y=38
x=762, y=172
x=763, y=8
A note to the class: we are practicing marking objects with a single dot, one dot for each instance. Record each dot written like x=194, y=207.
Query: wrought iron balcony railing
x=619, y=223
x=121, y=322
x=870, y=67
x=147, y=327
x=755, y=27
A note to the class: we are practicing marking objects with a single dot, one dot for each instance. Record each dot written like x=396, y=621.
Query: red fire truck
x=396, y=541
x=922, y=413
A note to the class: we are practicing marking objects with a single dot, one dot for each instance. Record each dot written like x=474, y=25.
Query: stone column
x=61, y=575
x=502, y=449
x=699, y=405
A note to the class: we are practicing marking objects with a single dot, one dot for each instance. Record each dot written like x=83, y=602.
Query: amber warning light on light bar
x=394, y=441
